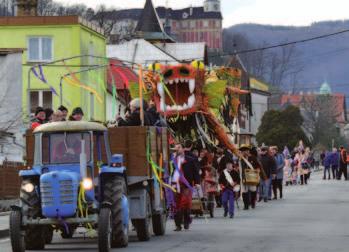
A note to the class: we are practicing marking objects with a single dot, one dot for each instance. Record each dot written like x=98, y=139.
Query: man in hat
x=228, y=180
x=269, y=167
x=249, y=193
x=39, y=119
x=77, y=114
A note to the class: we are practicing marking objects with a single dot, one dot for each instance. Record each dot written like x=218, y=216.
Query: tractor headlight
x=28, y=187
x=87, y=184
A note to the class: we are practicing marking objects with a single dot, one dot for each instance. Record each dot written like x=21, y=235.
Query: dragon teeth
x=191, y=101
x=192, y=85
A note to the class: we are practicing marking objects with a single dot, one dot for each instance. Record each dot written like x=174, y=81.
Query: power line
x=282, y=44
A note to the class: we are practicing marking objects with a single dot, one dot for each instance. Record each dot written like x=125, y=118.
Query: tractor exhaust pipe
x=83, y=160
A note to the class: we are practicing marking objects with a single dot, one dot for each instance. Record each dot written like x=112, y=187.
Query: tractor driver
x=68, y=150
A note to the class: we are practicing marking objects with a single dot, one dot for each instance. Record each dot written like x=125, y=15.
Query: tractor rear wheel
x=105, y=230
x=143, y=225
x=159, y=224
x=30, y=202
x=114, y=189
x=16, y=232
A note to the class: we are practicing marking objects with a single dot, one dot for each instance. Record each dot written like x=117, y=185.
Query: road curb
x=4, y=233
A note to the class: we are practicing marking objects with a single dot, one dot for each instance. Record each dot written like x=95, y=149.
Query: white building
x=143, y=52
x=11, y=116
x=260, y=97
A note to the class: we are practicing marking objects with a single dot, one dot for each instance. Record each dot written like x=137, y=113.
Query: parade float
x=196, y=103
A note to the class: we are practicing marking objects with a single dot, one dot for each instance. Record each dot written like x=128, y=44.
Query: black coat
x=191, y=168
x=234, y=175
x=135, y=119
x=268, y=165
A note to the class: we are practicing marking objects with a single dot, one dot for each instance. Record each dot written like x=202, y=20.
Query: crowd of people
x=47, y=115
x=221, y=175
x=217, y=175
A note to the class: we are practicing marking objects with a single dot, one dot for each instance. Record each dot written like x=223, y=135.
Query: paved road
x=310, y=218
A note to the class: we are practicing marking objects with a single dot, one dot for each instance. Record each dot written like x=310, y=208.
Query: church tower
x=212, y=6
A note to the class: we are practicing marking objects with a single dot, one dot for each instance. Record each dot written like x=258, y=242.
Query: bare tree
x=104, y=19
x=278, y=67
x=321, y=114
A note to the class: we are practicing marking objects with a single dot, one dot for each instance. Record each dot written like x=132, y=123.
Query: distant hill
x=324, y=60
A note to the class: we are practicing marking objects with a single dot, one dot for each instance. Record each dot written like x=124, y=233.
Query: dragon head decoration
x=184, y=92
x=178, y=89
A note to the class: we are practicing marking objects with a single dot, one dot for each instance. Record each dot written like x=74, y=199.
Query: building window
x=205, y=23
x=218, y=23
x=192, y=24
x=40, y=98
x=40, y=49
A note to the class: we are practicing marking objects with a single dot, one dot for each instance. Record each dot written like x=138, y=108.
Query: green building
x=47, y=39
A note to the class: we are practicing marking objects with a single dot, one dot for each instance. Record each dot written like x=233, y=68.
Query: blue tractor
x=74, y=182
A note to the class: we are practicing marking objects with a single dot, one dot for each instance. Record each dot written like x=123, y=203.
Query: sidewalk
x=4, y=225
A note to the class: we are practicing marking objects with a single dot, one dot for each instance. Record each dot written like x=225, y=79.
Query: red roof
x=122, y=74
x=296, y=100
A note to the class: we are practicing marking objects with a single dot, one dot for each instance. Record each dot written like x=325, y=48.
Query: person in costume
x=209, y=182
x=185, y=176
x=249, y=193
x=229, y=180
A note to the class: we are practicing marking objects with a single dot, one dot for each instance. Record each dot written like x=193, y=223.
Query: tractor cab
x=71, y=146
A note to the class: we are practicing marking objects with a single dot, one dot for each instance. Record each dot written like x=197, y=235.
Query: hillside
x=324, y=60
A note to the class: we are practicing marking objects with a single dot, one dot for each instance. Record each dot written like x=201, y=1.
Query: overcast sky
x=277, y=12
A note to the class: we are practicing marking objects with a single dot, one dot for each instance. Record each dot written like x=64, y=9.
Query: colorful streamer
x=76, y=82
x=41, y=77
x=83, y=86
x=155, y=168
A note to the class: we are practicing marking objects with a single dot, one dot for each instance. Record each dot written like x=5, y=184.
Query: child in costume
x=228, y=180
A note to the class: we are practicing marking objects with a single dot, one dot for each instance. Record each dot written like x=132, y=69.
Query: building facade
x=260, y=99
x=192, y=24
x=48, y=39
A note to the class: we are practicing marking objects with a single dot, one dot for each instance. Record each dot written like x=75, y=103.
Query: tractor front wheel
x=115, y=192
x=105, y=230
x=30, y=203
x=16, y=232
x=48, y=234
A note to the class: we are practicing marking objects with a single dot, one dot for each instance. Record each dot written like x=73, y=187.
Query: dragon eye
x=184, y=71
x=168, y=73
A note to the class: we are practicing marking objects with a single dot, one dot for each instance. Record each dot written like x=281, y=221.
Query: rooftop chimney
x=27, y=7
